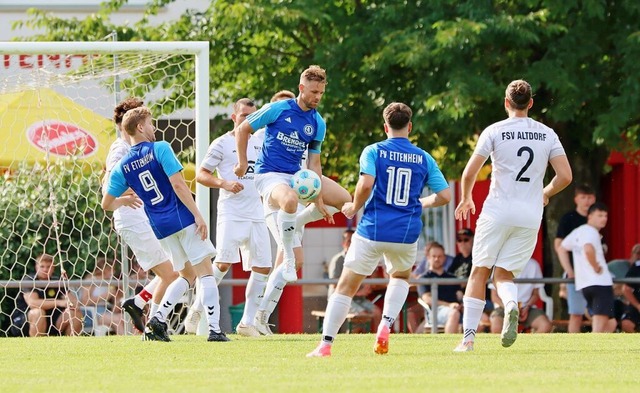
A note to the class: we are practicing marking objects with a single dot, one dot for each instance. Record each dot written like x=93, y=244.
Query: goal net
x=56, y=110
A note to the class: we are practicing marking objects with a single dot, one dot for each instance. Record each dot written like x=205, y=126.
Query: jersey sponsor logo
x=308, y=129
x=292, y=140
x=62, y=139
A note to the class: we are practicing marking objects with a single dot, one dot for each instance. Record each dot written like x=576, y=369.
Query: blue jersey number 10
x=149, y=184
x=398, y=186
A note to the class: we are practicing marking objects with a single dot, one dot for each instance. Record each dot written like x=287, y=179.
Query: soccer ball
x=306, y=183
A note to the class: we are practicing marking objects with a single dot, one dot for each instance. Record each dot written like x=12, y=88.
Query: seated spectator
x=44, y=311
x=531, y=317
x=103, y=295
x=422, y=266
x=449, y=296
x=360, y=304
x=631, y=317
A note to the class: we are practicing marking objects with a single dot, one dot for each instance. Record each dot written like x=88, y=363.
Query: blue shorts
x=575, y=300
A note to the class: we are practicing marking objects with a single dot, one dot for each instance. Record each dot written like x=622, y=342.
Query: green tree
x=450, y=60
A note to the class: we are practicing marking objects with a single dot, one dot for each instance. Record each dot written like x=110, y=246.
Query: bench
x=352, y=320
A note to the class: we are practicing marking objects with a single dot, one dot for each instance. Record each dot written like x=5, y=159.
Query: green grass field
x=415, y=363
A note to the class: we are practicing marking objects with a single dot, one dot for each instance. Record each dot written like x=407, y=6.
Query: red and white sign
x=62, y=139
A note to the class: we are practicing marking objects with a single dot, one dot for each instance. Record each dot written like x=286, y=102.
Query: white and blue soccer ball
x=307, y=184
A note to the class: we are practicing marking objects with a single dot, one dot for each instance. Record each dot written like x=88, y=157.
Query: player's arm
x=436, y=199
x=114, y=193
x=590, y=254
x=206, y=178
x=362, y=193
x=184, y=194
x=562, y=178
x=468, y=180
x=242, y=133
x=314, y=163
x=34, y=301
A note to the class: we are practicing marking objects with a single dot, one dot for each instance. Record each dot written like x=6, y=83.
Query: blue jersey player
x=393, y=174
x=153, y=172
x=291, y=127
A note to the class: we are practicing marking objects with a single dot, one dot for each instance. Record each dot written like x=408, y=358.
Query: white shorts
x=504, y=246
x=265, y=183
x=249, y=238
x=186, y=246
x=364, y=254
x=144, y=244
x=443, y=315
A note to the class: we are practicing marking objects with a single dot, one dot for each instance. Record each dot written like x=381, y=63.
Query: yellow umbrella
x=41, y=125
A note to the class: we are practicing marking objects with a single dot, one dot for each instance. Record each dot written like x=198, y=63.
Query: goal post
x=56, y=109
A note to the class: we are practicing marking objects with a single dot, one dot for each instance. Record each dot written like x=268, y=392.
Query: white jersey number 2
x=149, y=184
x=398, y=186
x=526, y=166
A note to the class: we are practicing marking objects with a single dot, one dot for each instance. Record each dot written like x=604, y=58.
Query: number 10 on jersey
x=398, y=186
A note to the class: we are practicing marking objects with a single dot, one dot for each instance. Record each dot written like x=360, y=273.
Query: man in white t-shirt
x=506, y=232
x=590, y=267
x=241, y=229
x=134, y=229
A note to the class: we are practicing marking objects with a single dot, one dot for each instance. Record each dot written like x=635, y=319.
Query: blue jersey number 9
x=149, y=184
x=398, y=186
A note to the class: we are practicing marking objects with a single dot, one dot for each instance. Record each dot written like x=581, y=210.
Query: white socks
x=174, y=292
x=394, y=299
x=337, y=310
x=142, y=298
x=508, y=292
x=273, y=291
x=311, y=214
x=211, y=302
x=471, y=317
x=287, y=226
x=254, y=295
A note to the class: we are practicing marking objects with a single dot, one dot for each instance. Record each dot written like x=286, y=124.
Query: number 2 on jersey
x=149, y=184
x=526, y=165
x=398, y=186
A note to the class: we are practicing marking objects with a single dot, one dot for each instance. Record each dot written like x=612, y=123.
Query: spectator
x=449, y=296
x=531, y=317
x=104, y=296
x=423, y=266
x=461, y=265
x=361, y=304
x=584, y=196
x=48, y=310
x=631, y=317
x=591, y=273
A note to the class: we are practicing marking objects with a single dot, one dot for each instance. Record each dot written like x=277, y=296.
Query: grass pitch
x=415, y=363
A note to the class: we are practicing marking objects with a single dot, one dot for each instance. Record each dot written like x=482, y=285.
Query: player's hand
x=233, y=186
x=348, y=209
x=463, y=209
x=322, y=208
x=201, y=228
x=545, y=200
x=131, y=201
x=240, y=169
x=524, y=313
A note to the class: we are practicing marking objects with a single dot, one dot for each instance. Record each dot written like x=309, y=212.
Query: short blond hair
x=313, y=74
x=133, y=118
x=283, y=95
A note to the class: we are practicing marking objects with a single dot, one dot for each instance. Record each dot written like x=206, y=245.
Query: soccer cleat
x=289, y=273
x=464, y=347
x=217, y=336
x=135, y=312
x=247, y=330
x=382, y=340
x=158, y=329
x=321, y=351
x=510, y=326
x=149, y=335
x=262, y=323
x=192, y=320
